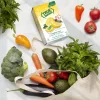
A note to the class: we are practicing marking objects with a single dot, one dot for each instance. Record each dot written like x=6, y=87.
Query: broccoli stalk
x=24, y=68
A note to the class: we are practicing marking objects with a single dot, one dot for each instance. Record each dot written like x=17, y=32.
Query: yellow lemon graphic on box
x=56, y=24
x=49, y=20
x=52, y=24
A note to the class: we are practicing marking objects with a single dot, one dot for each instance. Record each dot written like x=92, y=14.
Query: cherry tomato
x=51, y=76
x=95, y=14
x=63, y=75
x=90, y=27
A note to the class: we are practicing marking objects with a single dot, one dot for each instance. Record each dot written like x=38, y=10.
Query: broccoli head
x=13, y=64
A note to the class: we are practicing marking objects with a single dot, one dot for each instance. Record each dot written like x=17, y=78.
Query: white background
x=27, y=26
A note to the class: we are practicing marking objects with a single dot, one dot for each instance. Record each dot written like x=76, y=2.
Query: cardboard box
x=49, y=22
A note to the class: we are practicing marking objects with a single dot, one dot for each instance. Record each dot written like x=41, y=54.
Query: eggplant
x=41, y=88
x=39, y=94
x=43, y=91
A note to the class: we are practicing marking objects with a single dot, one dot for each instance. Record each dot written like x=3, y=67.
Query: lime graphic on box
x=49, y=22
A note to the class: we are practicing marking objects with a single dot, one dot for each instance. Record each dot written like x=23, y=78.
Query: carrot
x=39, y=79
x=37, y=62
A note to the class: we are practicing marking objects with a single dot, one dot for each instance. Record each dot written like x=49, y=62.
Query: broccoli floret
x=13, y=64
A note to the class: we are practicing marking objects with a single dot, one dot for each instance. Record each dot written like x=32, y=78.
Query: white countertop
x=66, y=7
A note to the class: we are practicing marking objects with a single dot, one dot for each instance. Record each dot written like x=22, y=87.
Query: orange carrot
x=39, y=79
x=37, y=62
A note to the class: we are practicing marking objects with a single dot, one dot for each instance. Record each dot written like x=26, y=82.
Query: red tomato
x=51, y=76
x=95, y=14
x=90, y=27
x=63, y=75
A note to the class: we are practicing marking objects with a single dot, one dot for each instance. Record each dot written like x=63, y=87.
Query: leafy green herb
x=8, y=14
x=51, y=3
x=78, y=57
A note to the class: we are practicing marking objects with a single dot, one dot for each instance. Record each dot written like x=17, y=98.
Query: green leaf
x=78, y=57
x=45, y=26
x=8, y=14
x=51, y=3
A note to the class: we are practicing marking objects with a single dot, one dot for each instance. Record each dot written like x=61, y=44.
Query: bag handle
x=36, y=39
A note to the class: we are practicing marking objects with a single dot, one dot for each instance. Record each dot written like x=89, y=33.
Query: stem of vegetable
x=14, y=35
x=21, y=90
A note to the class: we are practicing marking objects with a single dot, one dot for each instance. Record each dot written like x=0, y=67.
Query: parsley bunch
x=8, y=14
x=78, y=57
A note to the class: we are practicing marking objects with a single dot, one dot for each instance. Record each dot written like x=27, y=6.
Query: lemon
x=49, y=28
x=49, y=20
x=55, y=24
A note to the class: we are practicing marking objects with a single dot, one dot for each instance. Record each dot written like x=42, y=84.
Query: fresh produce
x=51, y=76
x=40, y=94
x=49, y=55
x=13, y=65
x=63, y=75
x=22, y=40
x=78, y=12
x=94, y=14
x=72, y=79
x=39, y=88
x=54, y=66
x=90, y=27
x=39, y=79
x=78, y=57
x=28, y=93
x=8, y=14
x=61, y=85
x=37, y=62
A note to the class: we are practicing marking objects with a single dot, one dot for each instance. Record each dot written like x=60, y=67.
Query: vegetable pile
x=8, y=14
x=75, y=56
x=13, y=65
x=78, y=57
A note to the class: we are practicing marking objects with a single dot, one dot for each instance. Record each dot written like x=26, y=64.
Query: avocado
x=61, y=85
x=54, y=66
x=49, y=55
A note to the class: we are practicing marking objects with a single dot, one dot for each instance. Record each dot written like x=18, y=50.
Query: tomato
x=63, y=75
x=90, y=27
x=95, y=14
x=51, y=76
